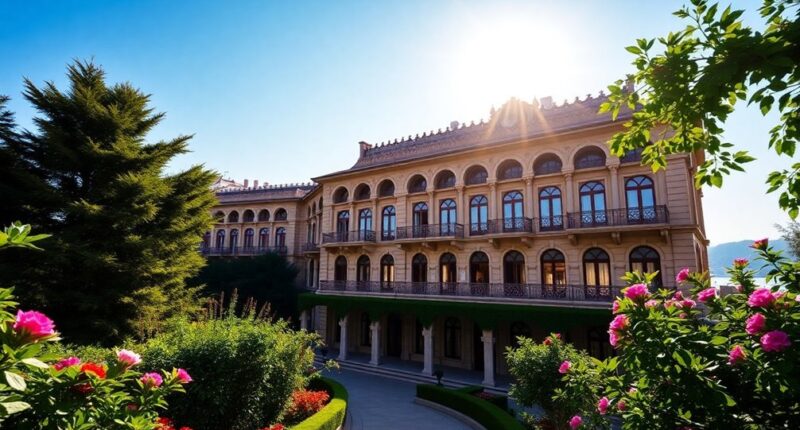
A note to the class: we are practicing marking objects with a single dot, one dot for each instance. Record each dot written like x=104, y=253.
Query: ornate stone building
x=444, y=247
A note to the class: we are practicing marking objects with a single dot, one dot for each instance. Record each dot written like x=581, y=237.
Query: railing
x=349, y=236
x=629, y=216
x=551, y=223
x=243, y=250
x=567, y=293
x=511, y=225
x=310, y=247
x=430, y=230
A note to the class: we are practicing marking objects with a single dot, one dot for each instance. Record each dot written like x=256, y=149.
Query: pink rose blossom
x=707, y=294
x=688, y=303
x=128, y=358
x=151, y=379
x=760, y=244
x=602, y=405
x=34, y=324
x=740, y=262
x=683, y=315
x=652, y=303
x=67, y=362
x=775, y=341
x=736, y=355
x=621, y=405
x=682, y=276
x=619, y=323
x=632, y=390
x=564, y=368
x=761, y=298
x=575, y=422
x=613, y=338
x=615, y=307
x=637, y=292
x=755, y=324
x=678, y=296
x=183, y=376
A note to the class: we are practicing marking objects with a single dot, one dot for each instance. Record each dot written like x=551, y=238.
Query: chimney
x=255, y=183
x=546, y=102
x=245, y=183
x=363, y=147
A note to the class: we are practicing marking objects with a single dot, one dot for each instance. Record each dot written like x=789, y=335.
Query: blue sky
x=283, y=91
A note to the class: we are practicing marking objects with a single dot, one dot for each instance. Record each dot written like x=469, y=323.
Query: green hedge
x=487, y=414
x=497, y=399
x=332, y=415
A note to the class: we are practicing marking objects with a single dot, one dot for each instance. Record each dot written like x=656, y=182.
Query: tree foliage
x=125, y=233
x=694, y=83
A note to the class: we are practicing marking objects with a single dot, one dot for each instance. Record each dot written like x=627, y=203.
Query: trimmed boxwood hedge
x=332, y=415
x=497, y=399
x=487, y=414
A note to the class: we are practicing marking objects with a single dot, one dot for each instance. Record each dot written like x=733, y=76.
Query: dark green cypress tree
x=124, y=232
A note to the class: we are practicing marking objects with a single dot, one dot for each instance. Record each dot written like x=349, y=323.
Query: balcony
x=243, y=251
x=430, y=231
x=463, y=290
x=619, y=217
x=310, y=247
x=497, y=226
x=349, y=236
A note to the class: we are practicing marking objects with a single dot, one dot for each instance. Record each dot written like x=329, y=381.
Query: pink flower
x=761, y=298
x=707, y=294
x=636, y=292
x=688, y=303
x=602, y=405
x=183, y=376
x=740, y=263
x=755, y=324
x=547, y=341
x=682, y=276
x=128, y=358
x=736, y=355
x=760, y=244
x=34, y=324
x=615, y=307
x=67, y=362
x=775, y=341
x=621, y=405
x=575, y=422
x=619, y=323
x=651, y=303
x=632, y=390
x=151, y=379
x=613, y=338
x=564, y=368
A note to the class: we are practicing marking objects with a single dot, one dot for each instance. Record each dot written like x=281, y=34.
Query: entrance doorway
x=477, y=347
x=394, y=336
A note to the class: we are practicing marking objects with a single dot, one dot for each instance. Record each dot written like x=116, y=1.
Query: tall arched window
x=362, y=192
x=342, y=225
x=280, y=215
x=340, y=195
x=362, y=269
x=596, y=268
x=249, y=235
x=417, y=184
x=588, y=157
x=452, y=338
x=365, y=332
x=509, y=169
x=447, y=268
x=641, y=199
x=280, y=237
x=219, y=216
x=263, y=215
x=340, y=269
x=447, y=217
x=514, y=268
x=478, y=214
x=419, y=268
x=476, y=175
x=233, y=243
x=220, y=243
x=263, y=238
x=420, y=219
x=206, y=240
x=388, y=223
x=513, y=216
x=551, y=216
x=519, y=329
x=479, y=268
x=387, y=271
x=554, y=268
x=364, y=222
x=386, y=188
x=547, y=164
x=233, y=216
x=248, y=216
x=644, y=259
x=593, y=204
x=445, y=179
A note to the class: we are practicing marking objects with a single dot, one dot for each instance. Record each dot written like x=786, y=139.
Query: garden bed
x=330, y=417
x=465, y=401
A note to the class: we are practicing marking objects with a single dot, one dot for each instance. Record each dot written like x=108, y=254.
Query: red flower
x=306, y=403
x=94, y=369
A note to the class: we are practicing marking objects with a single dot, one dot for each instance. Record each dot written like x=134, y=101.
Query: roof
x=265, y=193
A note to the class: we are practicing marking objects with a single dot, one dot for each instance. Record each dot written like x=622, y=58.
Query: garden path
x=377, y=403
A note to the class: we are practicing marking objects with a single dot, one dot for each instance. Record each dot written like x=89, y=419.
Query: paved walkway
x=377, y=403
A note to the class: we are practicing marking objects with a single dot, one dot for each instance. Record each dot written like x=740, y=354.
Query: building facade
x=443, y=248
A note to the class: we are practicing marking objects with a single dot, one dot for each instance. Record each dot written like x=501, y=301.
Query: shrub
x=485, y=413
x=332, y=415
x=305, y=403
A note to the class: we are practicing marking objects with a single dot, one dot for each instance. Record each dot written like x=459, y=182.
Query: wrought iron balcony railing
x=430, y=231
x=310, y=247
x=511, y=225
x=563, y=292
x=243, y=250
x=617, y=217
x=551, y=223
x=349, y=236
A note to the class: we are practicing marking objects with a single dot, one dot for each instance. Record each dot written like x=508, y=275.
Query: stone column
x=343, y=339
x=614, y=170
x=427, y=338
x=529, y=198
x=375, y=329
x=433, y=213
x=460, y=217
x=304, y=320
x=488, y=357
x=492, y=200
x=569, y=205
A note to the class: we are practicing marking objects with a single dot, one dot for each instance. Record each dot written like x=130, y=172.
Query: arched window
x=447, y=217
x=476, y=175
x=479, y=268
x=593, y=204
x=644, y=259
x=340, y=269
x=220, y=243
x=589, y=157
x=419, y=268
x=386, y=188
x=248, y=216
x=596, y=268
x=550, y=215
x=280, y=215
x=452, y=338
x=233, y=243
x=445, y=179
x=219, y=216
x=263, y=215
x=340, y=195
x=519, y=329
x=342, y=224
x=364, y=221
x=514, y=268
x=362, y=269
x=388, y=223
x=554, y=268
x=263, y=238
x=387, y=271
x=280, y=237
x=478, y=214
x=309, y=213
x=447, y=268
x=420, y=218
x=417, y=184
x=206, y=240
x=249, y=235
x=547, y=164
x=362, y=192
x=233, y=216
x=314, y=208
x=509, y=169
x=641, y=199
x=513, y=216
x=366, y=334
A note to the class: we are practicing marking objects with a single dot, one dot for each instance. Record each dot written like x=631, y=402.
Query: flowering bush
x=305, y=403
x=697, y=358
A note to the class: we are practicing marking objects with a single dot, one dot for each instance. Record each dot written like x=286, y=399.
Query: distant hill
x=721, y=256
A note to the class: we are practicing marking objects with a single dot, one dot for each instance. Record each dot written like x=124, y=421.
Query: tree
x=125, y=233
x=791, y=234
x=695, y=83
